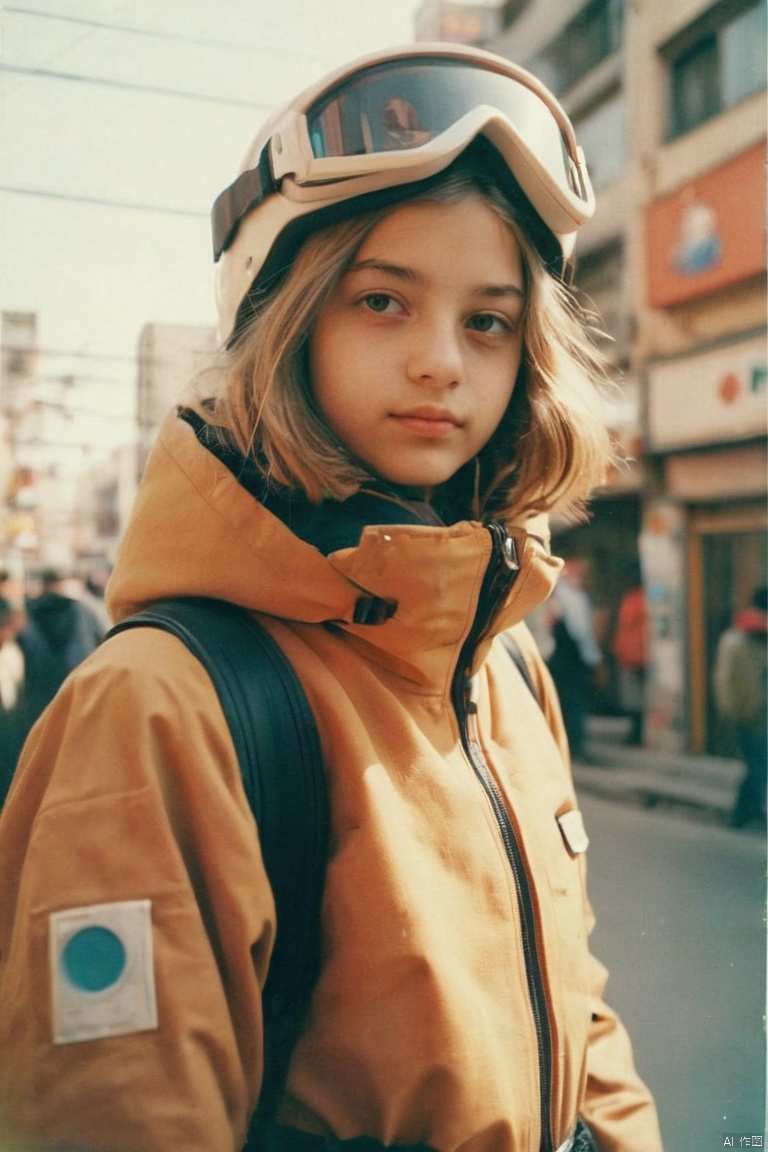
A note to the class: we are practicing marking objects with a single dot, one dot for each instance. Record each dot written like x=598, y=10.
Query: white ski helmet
x=364, y=135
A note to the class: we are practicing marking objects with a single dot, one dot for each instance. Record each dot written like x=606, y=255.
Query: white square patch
x=102, y=977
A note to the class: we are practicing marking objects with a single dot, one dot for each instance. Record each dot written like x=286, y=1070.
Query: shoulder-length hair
x=551, y=447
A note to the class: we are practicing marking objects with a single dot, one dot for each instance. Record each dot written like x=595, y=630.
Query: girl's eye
x=380, y=302
x=486, y=322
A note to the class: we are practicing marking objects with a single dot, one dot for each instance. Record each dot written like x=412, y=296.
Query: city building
x=169, y=357
x=36, y=483
x=102, y=505
x=60, y=504
x=457, y=23
x=668, y=101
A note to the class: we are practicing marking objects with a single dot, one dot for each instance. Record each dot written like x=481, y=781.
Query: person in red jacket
x=630, y=650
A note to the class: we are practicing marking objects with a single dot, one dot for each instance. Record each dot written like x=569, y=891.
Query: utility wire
x=91, y=382
x=64, y=353
x=70, y=414
x=129, y=86
x=107, y=357
x=96, y=202
x=176, y=37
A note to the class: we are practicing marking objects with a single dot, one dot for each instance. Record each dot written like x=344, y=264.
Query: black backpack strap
x=513, y=648
x=277, y=744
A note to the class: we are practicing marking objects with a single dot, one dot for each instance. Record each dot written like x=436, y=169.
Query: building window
x=590, y=37
x=744, y=56
x=602, y=133
x=719, y=61
x=17, y=363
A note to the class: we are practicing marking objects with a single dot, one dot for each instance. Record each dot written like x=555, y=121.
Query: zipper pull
x=505, y=546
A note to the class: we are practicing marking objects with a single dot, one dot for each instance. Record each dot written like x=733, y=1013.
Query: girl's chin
x=417, y=484
x=413, y=489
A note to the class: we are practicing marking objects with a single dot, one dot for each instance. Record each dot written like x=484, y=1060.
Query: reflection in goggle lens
x=400, y=106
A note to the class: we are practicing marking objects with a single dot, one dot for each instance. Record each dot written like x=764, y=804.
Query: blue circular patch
x=94, y=959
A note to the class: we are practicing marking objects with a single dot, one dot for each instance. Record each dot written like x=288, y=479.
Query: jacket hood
x=196, y=530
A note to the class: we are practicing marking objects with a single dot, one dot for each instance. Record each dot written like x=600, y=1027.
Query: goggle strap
x=245, y=193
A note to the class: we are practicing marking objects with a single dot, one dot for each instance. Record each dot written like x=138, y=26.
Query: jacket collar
x=197, y=529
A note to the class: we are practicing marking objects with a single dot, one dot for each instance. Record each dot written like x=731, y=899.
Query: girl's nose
x=434, y=356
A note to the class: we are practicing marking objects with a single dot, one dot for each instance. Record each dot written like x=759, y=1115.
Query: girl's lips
x=434, y=424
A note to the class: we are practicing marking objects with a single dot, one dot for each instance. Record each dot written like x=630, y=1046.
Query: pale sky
x=168, y=95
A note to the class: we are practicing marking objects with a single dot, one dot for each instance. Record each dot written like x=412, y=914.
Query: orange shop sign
x=709, y=234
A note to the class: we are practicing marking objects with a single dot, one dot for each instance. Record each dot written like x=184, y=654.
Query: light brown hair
x=551, y=447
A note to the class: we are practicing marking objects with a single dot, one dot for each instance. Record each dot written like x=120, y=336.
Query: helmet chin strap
x=247, y=192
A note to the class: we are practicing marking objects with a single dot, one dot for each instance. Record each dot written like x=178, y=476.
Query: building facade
x=669, y=103
x=36, y=478
x=169, y=357
x=457, y=23
x=57, y=506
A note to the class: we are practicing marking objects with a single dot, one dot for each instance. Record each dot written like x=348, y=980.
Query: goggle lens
x=398, y=106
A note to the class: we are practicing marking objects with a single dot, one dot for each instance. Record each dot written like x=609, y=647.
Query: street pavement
x=703, y=786
x=680, y=904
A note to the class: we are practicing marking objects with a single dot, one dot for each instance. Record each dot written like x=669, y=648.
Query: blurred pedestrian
x=94, y=587
x=11, y=689
x=740, y=685
x=59, y=633
x=576, y=654
x=630, y=650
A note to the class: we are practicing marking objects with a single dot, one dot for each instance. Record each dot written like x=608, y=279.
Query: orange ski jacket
x=457, y=1007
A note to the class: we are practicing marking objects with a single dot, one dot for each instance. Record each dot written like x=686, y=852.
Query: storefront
x=703, y=539
x=609, y=538
x=704, y=543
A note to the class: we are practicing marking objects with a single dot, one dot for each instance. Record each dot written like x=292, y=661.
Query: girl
x=406, y=391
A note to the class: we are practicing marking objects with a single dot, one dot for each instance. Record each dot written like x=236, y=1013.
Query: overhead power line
x=176, y=37
x=66, y=353
x=161, y=361
x=97, y=202
x=129, y=86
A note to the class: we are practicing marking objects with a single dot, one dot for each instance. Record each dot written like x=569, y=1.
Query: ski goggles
x=396, y=121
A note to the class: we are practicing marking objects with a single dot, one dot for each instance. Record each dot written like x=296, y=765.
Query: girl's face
x=415, y=354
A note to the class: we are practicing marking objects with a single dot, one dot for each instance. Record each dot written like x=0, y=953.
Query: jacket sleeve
x=618, y=1107
x=136, y=919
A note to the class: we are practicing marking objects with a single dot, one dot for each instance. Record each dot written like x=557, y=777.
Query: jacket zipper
x=501, y=573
